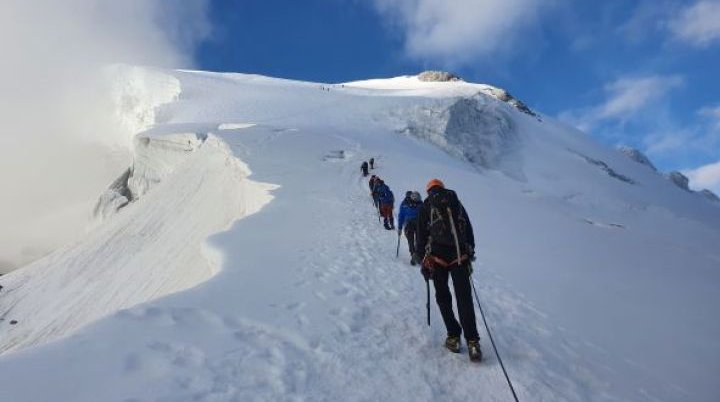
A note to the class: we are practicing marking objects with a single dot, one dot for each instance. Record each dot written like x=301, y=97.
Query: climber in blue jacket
x=407, y=220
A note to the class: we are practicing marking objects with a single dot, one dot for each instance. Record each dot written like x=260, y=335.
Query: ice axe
x=397, y=252
x=427, y=304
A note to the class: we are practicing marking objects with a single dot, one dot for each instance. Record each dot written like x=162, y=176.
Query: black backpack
x=447, y=221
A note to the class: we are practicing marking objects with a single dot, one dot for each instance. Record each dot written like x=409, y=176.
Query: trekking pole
x=397, y=252
x=492, y=342
x=427, y=304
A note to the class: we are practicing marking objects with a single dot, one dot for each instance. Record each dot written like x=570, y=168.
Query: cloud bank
x=459, y=31
x=59, y=143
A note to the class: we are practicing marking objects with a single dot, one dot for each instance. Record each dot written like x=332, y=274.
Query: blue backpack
x=386, y=196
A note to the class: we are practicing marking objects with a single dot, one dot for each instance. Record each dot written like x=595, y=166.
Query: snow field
x=323, y=311
x=596, y=289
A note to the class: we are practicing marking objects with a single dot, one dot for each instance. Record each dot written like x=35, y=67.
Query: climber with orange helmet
x=446, y=246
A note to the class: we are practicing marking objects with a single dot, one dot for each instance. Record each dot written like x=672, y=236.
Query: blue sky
x=641, y=73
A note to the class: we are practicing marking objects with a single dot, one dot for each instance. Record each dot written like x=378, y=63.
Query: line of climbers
x=440, y=238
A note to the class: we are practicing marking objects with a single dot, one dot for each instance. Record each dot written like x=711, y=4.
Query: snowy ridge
x=153, y=248
x=588, y=280
x=677, y=178
x=431, y=85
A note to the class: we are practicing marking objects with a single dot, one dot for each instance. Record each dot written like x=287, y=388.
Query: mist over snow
x=61, y=141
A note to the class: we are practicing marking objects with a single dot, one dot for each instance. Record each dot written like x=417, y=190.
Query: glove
x=471, y=254
x=427, y=268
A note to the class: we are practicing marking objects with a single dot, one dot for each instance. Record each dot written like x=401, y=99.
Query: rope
x=487, y=328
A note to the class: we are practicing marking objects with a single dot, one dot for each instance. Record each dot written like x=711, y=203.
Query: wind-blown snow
x=596, y=288
x=137, y=94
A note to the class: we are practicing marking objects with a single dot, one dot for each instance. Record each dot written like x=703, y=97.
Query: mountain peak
x=438, y=76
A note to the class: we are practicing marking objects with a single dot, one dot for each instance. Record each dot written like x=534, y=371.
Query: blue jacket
x=408, y=211
x=376, y=190
x=385, y=196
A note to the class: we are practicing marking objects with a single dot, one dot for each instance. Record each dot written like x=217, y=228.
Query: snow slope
x=599, y=276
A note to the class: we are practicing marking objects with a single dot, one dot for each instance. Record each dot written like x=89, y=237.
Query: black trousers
x=463, y=292
x=410, y=230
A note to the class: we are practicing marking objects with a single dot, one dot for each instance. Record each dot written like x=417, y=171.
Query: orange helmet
x=434, y=183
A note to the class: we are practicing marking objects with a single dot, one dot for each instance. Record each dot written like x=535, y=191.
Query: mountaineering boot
x=452, y=343
x=474, y=351
x=412, y=261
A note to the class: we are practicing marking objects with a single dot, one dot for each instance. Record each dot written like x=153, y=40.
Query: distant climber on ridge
x=445, y=235
x=407, y=220
x=372, y=163
x=364, y=168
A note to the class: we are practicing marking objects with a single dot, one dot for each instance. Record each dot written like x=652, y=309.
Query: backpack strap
x=454, y=232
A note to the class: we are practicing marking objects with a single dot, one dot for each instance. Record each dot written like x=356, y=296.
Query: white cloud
x=624, y=99
x=698, y=24
x=458, y=31
x=707, y=176
x=55, y=131
x=680, y=144
x=627, y=96
x=665, y=142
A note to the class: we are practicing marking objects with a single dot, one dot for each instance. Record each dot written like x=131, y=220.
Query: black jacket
x=447, y=253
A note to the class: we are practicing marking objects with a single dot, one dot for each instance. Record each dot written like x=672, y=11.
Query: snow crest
x=156, y=157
